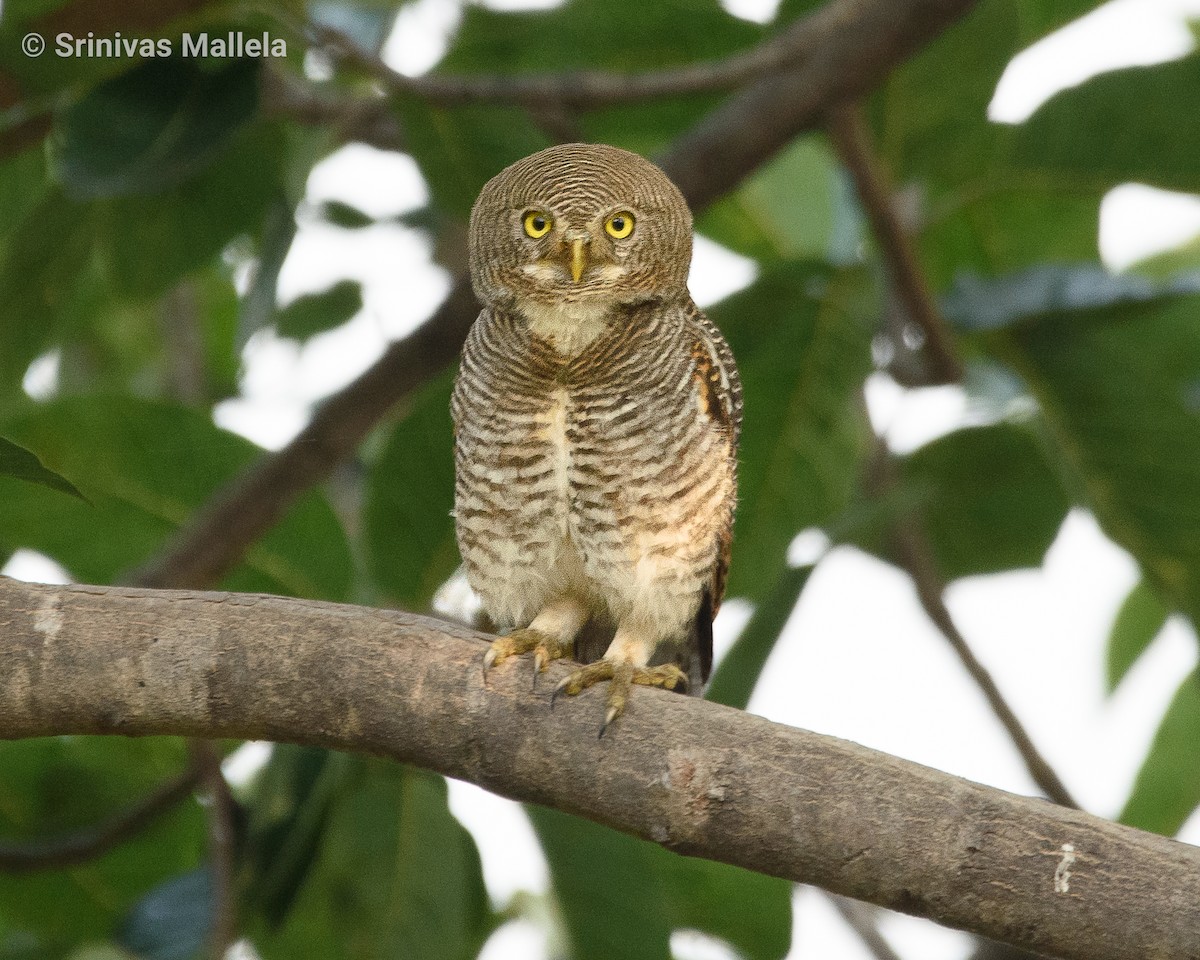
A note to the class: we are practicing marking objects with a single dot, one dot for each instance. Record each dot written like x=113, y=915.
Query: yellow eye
x=619, y=225
x=537, y=224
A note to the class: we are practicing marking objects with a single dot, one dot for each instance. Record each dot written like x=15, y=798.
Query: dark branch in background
x=350, y=117
x=791, y=49
x=221, y=846
x=852, y=44
x=698, y=778
x=215, y=538
x=92, y=842
x=856, y=43
x=852, y=139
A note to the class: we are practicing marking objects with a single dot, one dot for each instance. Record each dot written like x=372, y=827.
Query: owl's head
x=580, y=223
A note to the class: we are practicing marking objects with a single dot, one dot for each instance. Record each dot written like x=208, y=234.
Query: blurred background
x=970, y=490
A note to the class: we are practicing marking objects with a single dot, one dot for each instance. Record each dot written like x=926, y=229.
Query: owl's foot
x=545, y=648
x=621, y=677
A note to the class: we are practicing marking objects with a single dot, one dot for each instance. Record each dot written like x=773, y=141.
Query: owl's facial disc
x=569, y=255
x=579, y=227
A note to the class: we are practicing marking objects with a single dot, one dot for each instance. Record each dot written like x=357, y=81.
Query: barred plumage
x=597, y=414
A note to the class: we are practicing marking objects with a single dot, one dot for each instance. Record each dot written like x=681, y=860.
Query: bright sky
x=858, y=661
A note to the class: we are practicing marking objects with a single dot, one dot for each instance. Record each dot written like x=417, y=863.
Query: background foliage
x=146, y=210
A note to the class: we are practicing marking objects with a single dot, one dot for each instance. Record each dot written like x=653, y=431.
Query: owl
x=596, y=420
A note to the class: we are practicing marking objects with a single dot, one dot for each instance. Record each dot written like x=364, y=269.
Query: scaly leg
x=551, y=636
x=622, y=666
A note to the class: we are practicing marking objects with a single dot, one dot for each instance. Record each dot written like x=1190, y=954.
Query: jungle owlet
x=596, y=414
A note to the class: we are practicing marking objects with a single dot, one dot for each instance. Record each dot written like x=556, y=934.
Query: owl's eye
x=619, y=225
x=537, y=224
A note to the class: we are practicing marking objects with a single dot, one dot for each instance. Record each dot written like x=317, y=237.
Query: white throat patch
x=569, y=327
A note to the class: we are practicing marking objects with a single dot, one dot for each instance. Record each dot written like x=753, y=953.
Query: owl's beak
x=578, y=259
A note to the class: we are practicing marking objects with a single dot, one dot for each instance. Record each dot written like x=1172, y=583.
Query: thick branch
x=797, y=44
x=856, y=44
x=694, y=776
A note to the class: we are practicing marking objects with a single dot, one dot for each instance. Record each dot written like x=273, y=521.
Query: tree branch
x=92, y=842
x=802, y=41
x=852, y=140
x=855, y=43
x=696, y=777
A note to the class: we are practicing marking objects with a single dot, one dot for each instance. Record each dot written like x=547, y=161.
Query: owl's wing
x=722, y=394
x=720, y=400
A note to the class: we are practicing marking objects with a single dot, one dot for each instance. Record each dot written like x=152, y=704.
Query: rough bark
x=696, y=777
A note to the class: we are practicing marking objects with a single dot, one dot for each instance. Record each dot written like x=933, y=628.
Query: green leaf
x=148, y=243
x=735, y=677
x=796, y=206
x=42, y=259
x=56, y=786
x=173, y=920
x=460, y=148
x=24, y=465
x=931, y=113
x=396, y=877
x=988, y=498
x=607, y=886
x=1005, y=223
x=288, y=809
x=971, y=207
x=622, y=897
x=344, y=215
x=409, y=532
x=145, y=468
x=803, y=347
x=257, y=307
x=1119, y=127
x=1119, y=389
x=154, y=126
x=315, y=313
x=1167, y=788
x=1140, y=619
x=749, y=911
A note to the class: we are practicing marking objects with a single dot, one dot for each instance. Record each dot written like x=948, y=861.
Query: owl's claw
x=621, y=677
x=545, y=648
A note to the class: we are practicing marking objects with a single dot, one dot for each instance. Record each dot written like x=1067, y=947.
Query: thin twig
x=915, y=556
x=850, y=136
x=221, y=852
x=89, y=843
x=860, y=918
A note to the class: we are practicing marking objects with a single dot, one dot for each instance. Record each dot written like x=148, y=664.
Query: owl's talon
x=621, y=678
x=545, y=648
x=610, y=715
